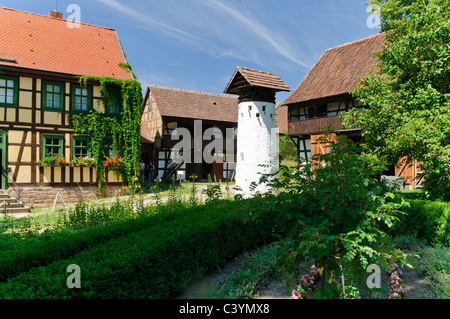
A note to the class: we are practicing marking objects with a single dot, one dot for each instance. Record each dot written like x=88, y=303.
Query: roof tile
x=47, y=44
x=258, y=79
x=338, y=70
x=197, y=105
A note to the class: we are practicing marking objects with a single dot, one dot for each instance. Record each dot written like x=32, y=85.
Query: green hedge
x=426, y=220
x=157, y=262
x=56, y=245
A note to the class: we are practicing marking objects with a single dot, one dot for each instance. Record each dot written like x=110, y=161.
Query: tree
x=408, y=91
x=288, y=150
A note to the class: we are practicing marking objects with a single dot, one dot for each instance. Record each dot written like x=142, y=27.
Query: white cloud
x=258, y=29
x=218, y=28
x=150, y=21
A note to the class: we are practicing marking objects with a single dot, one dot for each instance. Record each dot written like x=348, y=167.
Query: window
x=294, y=114
x=304, y=148
x=52, y=144
x=170, y=127
x=113, y=100
x=322, y=110
x=113, y=151
x=81, y=98
x=298, y=113
x=8, y=91
x=81, y=146
x=303, y=113
x=53, y=96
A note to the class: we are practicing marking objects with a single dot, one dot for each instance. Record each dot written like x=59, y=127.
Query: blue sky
x=197, y=44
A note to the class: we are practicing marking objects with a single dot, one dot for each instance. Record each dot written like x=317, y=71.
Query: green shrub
x=426, y=220
x=331, y=213
x=51, y=246
x=156, y=262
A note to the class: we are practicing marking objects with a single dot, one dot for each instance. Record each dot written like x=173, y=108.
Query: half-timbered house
x=167, y=110
x=41, y=59
x=315, y=105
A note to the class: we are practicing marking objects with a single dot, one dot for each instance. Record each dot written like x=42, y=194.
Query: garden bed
x=154, y=262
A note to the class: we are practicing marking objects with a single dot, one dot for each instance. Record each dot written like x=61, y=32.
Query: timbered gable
x=41, y=61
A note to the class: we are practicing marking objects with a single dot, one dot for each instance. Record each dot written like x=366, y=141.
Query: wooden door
x=217, y=171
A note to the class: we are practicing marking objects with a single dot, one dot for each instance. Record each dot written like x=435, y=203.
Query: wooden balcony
x=313, y=126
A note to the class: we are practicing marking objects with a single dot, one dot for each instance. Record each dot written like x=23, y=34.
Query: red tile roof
x=47, y=44
x=338, y=70
x=255, y=78
x=192, y=104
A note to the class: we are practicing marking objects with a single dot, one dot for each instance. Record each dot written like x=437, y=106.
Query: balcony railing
x=314, y=125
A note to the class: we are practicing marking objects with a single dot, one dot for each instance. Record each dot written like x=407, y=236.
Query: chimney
x=56, y=14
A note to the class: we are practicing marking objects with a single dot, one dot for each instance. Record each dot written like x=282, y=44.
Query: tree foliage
x=288, y=150
x=408, y=92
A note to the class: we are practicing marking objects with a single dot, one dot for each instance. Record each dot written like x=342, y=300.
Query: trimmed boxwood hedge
x=425, y=219
x=56, y=245
x=156, y=262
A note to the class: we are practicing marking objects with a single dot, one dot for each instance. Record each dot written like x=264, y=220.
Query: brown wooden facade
x=158, y=125
x=310, y=121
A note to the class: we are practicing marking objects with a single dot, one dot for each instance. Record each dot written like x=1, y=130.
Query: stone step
x=13, y=205
x=15, y=210
x=8, y=200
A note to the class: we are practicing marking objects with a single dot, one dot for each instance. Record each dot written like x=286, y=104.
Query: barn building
x=324, y=94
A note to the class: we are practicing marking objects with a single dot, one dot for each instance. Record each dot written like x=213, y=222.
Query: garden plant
x=331, y=214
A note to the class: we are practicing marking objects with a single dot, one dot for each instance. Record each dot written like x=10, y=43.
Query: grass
x=434, y=263
x=259, y=267
x=254, y=273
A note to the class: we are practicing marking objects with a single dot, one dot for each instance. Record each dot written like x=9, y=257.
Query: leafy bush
x=330, y=214
x=437, y=183
x=63, y=242
x=155, y=262
x=425, y=219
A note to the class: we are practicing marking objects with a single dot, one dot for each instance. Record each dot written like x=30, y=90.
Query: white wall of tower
x=257, y=146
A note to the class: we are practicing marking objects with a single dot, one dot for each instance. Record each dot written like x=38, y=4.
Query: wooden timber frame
x=27, y=122
x=201, y=170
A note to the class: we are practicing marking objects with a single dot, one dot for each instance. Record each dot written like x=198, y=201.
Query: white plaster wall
x=257, y=144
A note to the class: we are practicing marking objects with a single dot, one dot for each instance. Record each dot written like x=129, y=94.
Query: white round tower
x=257, y=138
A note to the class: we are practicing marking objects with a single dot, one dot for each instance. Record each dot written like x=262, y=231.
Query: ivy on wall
x=114, y=132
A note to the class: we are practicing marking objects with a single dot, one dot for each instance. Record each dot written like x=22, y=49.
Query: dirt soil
x=415, y=285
